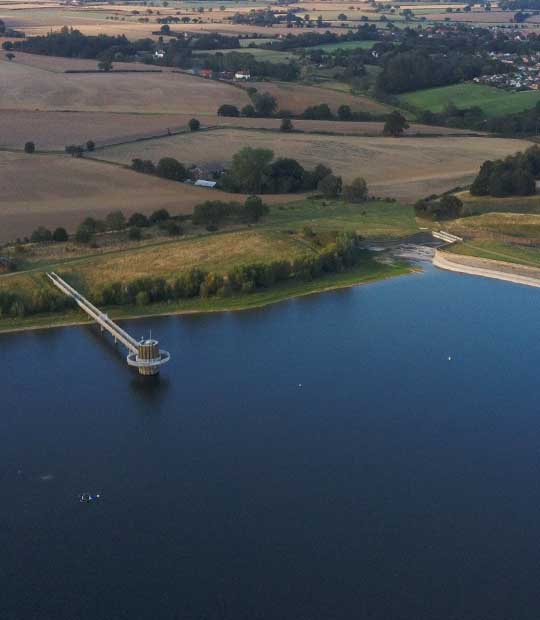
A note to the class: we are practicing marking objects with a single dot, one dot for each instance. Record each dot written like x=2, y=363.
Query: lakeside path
x=498, y=270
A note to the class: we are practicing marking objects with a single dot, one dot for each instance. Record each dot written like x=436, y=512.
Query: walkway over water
x=144, y=355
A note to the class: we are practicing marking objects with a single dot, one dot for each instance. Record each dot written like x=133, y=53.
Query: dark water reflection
x=319, y=459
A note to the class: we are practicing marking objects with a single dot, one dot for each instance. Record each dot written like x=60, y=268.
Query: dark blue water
x=393, y=484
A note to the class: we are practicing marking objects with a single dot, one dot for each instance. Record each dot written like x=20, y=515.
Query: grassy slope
x=496, y=250
x=280, y=237
x=494, y=101
x=345, y=45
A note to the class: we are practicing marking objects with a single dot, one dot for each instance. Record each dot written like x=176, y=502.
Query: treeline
x=338, y=256
x=40, y=301
x=213, y=213
x=518, y=5
x=365, y=32
x=235, y=61
x=415, y=70
x=513, y=176
x=72, y=43
x=10, y=32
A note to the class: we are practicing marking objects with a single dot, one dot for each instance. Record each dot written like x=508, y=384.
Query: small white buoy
x=299, y=385
x=449, y=359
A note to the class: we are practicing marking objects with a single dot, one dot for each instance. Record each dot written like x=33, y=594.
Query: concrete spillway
x=144, y=355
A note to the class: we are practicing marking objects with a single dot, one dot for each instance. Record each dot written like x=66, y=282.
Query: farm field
x=296, y=97
x=477, y=205
x=259, y=54
x=56, y=190
x=493, y=101
x=403, y=168
x=23, y=87
x=521, y=227
x=55, y=130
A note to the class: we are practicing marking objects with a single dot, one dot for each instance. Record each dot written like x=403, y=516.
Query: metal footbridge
x=144, y=354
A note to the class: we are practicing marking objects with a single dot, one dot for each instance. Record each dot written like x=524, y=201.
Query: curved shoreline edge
x=323, y=286
x=486, y=268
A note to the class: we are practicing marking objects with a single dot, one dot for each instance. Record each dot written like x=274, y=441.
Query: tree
x=105, y=65
x=286, y=125
x=115, y=221
x=161, y=215
x=29, y=147
x=74, y=150
x=41, y=234
x=170, y=168
x=90, y=145
x=228, y=110
x=344, y=113
x=265, y=104
x=194, y=124
x=330, y=186
x=138, y=220
x=249, y=111
x=342, y=17
x=250, y=168
x=171, y=227
x=357, y=191
x=395, y=124
x=10, y=56
x=83, y=235
x=448, y=207
x=60, y=235
x=255, y=208
x=165, y=29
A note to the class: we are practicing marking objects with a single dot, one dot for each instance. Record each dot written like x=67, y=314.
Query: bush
x=170, y=168
x=330, y=186
x=74, y=150
x=228, y=110
x=90, y=145
x=143, y=165
x=83, y=235
x=29, y=147
x=249, y=111
x=115, y=221
x=286, y=125
x=161, y=215
x=40, y=235
x=134, y=234
x=138, y=220
x=60, y=235
x=255, y=208
x=171, y=227
x=194, y=125
x=357, y=191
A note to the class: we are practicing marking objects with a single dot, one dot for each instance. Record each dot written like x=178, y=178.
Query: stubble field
x=55, y=190
x=404, y=168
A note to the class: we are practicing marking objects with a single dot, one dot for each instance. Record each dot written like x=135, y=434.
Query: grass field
x=476, y=205
x=404, y=168
x=493, y=101
x=259, y=54
x=521, y=227
x=296, y=97
x=55, y=190
x=280, y=236
x=496, y=250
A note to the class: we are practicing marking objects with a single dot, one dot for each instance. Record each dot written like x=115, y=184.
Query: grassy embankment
x=280, y=237
x=504, y=229
x=493, y=101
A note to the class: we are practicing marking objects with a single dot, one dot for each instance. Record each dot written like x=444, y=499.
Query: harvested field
x=296, y=98
x=24, y=87
x=404, y=168
x=54, y=130
x=54, y=190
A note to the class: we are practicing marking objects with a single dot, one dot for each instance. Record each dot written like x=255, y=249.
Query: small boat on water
x=86, y=498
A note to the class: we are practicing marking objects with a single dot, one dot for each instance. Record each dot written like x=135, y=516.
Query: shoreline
x=399, y=270
x=487, y=268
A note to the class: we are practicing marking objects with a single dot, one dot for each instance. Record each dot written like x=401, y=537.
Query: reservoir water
x=320, y=459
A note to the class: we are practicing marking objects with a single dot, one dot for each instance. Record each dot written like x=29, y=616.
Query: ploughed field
x=404, y=168
x=56, y=190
